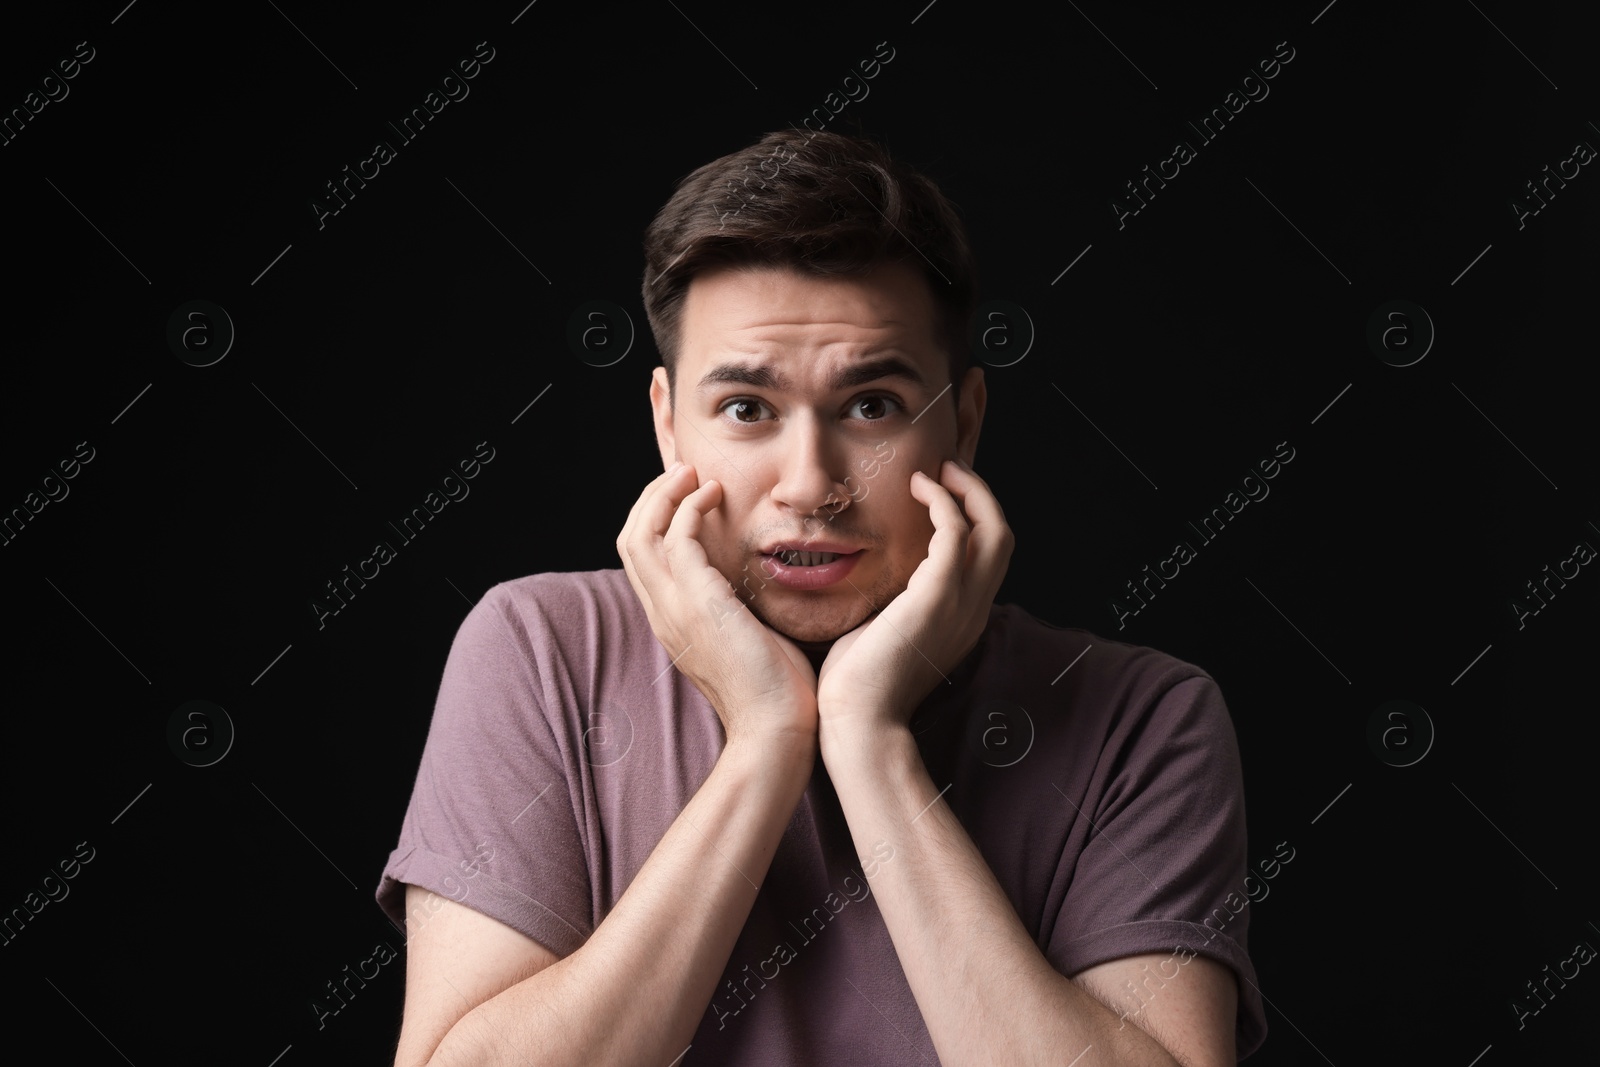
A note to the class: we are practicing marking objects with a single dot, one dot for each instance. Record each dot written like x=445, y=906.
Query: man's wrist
x=758, y=751
x=861, y=738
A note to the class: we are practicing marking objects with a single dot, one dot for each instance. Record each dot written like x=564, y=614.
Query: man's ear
x=969, y=414
x=661, y=406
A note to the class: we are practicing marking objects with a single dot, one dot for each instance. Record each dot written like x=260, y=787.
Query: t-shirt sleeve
x=1164, y=869
x=492, y=821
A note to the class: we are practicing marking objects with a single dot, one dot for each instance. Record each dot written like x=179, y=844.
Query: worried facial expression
x=811, y=400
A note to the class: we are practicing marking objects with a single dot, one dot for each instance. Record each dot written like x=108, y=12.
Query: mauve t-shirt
x=1100, y=780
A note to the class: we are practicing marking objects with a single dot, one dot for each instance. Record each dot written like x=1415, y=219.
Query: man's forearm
x=986, y=992
x=635, y=992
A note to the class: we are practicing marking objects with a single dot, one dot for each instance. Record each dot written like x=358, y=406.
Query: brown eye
x=876, y=408
x=743, y=410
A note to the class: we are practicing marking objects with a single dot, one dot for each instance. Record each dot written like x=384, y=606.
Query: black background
x=377, y=350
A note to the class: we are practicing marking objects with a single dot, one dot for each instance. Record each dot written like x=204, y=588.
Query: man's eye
x=743, y=409
x=884, y=406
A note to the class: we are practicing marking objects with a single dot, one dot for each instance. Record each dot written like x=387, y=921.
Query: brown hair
x=825, y=203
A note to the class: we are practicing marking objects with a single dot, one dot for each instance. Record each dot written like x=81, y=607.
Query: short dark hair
x=824, y=203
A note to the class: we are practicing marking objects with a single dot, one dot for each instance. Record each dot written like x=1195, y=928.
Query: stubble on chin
x=814, y=630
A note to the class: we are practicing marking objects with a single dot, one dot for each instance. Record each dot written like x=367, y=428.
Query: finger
x=686, y=556
x=992, y=540
x=638, y=514
x=693, y=573
x=943, y=505
x=636, y=546
x=977, y=499
x=947, y=551
x=656, y=509
x=625, y=549
x=672, y=562
x=985, y=549
x=631, y=524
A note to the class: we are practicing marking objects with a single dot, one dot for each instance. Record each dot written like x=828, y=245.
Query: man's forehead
x=743, y=320
x=838, y=374
x=757, y=302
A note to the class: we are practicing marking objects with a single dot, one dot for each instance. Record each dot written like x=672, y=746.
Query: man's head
x=822, y=203
x=810, y=318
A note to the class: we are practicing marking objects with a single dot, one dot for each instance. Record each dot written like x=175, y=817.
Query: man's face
x=811, y=400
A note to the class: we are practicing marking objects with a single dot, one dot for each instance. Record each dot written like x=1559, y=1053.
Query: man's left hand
x=877, y=674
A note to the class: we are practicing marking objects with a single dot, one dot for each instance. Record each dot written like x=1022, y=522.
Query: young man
x=788, y=788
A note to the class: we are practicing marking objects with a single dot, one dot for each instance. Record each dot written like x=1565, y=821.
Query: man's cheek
x=714, y=534
x=906, y=519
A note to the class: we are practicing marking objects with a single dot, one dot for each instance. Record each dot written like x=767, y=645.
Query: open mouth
x=792, y=558
x=798, y=569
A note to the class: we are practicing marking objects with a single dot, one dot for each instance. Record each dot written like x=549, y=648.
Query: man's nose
x=811, y=470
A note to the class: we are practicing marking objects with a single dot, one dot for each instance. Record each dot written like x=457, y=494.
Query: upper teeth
x=806, y=559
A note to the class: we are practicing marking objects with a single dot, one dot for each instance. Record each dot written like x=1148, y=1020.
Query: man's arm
x=480, y=993
x=634, y=992
x=986, y=991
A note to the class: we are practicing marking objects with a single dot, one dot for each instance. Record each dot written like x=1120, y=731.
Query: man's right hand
x=760, y=683
x=634, y=993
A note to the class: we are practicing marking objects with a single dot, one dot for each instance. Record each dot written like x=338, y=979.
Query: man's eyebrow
x=760, y=377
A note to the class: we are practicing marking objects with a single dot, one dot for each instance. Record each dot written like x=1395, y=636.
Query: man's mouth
x=809, y=553
x=805, y=559
x=814, y=567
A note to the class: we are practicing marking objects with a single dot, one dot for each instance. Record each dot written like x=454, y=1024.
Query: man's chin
x=811, y=634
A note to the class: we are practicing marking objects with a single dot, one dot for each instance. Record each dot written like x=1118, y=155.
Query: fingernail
x=676, y=464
